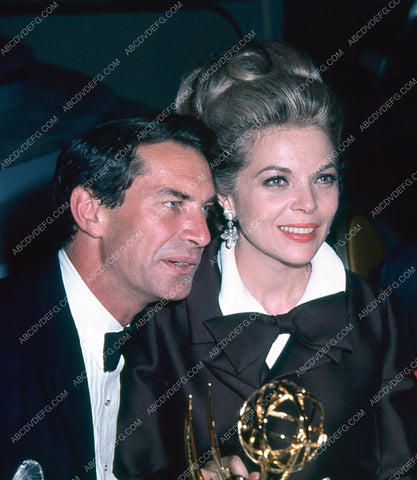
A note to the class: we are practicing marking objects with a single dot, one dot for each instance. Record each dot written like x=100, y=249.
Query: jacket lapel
x=67, y=370
x=242, y=342
x=203, y=304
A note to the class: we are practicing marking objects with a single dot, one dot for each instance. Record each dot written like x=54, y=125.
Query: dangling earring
x=230, y=234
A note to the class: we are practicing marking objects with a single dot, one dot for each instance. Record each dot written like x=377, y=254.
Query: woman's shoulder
x=360, y=284
x=372, y=307
x=368, y=289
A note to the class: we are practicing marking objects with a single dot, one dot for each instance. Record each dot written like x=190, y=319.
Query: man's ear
x=227, y=202
x=84, y=209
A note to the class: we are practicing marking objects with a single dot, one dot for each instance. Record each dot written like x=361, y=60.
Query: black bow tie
x=114, y=343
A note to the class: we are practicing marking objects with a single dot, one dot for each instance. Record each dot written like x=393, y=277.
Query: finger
x=210, y=466
x=236, y=466
x=209, y=474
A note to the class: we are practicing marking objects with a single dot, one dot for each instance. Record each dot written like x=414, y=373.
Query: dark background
x=79, y=39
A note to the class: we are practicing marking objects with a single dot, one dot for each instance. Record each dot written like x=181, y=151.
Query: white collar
x=234, y=297
x=327, y=277
x=91, y=318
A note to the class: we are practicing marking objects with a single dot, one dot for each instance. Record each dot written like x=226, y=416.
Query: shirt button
x=105, y=468
x=107, y=402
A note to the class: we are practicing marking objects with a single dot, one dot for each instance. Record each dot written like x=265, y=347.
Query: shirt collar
x=234, y=297
x=327, y=277
x=91, y=318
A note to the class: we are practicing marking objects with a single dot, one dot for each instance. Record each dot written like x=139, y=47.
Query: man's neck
x=121, y=304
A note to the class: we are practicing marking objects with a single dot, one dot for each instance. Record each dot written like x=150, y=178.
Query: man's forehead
x=172, y=163
x=169, y=166
x=167, y=153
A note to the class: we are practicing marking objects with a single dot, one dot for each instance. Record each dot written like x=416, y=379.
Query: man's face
x=160, y=230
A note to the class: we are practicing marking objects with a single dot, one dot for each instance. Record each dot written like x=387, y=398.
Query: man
x=139, y=193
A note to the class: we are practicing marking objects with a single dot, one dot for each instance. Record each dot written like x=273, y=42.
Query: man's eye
x=276, y=181
x=207, y=209
x=172, y=204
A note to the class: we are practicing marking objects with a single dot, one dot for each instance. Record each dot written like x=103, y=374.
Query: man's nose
x=196, y=230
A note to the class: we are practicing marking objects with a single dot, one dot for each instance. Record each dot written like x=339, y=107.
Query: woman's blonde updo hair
x=256, y=87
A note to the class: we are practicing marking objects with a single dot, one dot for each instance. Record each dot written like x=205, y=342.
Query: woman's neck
x=277, y=286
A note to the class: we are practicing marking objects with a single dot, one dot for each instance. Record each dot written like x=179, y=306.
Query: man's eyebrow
x=179, y=195
x=172, y=192
x=212, y=199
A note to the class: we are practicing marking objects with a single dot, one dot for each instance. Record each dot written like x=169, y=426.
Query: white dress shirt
x=327, y=277
x=92, y=321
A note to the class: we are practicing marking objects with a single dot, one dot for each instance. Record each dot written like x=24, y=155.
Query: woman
x=271, y=300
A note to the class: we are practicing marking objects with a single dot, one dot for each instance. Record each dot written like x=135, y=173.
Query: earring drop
x=230, y=235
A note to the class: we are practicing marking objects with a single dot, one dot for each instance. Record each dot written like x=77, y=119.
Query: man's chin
x=180, y=289
x=179, y=295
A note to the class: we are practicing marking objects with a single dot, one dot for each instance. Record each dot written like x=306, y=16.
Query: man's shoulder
x=25, y=295
x=23, y=282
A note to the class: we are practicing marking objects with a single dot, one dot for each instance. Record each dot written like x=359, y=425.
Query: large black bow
x=246, y=338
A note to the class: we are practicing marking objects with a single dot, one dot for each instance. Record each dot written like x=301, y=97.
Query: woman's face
x=287, y=196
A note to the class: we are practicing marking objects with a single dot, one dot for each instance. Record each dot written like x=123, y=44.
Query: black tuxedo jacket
x=355, y=365
x=45, y=404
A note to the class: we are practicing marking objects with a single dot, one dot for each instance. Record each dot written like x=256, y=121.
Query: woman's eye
x=327, y=178
x=275, y=181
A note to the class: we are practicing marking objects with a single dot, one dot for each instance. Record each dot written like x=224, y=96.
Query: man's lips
x=184, y=260
x=184, y=264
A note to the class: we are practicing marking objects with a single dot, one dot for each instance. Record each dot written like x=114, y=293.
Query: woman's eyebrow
x=275, y=168
x=324, y=167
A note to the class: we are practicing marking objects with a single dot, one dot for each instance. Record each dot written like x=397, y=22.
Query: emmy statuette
x=280, y=427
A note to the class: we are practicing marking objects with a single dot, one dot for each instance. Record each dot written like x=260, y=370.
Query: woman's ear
x=84, y=209
x=227, y=202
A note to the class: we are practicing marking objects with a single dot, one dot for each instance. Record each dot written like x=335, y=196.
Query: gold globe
x=280, y=427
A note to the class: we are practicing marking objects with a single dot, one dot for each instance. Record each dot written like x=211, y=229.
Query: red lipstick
x=300, y=232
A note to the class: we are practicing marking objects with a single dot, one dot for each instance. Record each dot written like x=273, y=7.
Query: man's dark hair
x=104, y=160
